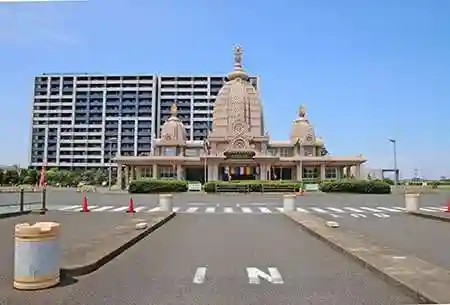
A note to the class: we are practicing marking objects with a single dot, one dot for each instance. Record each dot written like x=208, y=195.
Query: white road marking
x=427, y=210
x=357, y=215
x=72, y=207
x=176, y=209
x=246, y=210
x=255, y=274
x=199, y=276
x=302, y=210
x=399, y=208
x=381, y=215
x=90, y=207
x=120, y=209
x=140, y=209
x=353, y=210
x=319, y=210
x=370, y=209
x=100, y=209
x=437, y=208
x=210, y=210
x=334, y=215
x=388, y=209
x=156, y=209
x=265, y=210
x=228, y=210
x=192, y=209
x=279, y=210
x=336, y=210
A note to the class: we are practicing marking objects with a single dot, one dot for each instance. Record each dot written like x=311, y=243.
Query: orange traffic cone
x=84, y=205
x=448, y=206
x=131, y=206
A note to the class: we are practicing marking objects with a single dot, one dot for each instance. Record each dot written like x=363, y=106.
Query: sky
x=365, y=70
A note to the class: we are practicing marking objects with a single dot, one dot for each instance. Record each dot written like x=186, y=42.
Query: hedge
x=157, y=186
x=356, y=186
x=256, y=185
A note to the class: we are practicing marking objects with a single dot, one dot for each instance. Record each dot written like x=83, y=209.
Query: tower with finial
x=238, y=71
x=302, y=111
x=174, y=109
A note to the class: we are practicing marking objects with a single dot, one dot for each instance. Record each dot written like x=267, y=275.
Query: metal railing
x=21, y=204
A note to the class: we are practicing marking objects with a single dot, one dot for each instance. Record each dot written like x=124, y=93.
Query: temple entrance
x=233, y=173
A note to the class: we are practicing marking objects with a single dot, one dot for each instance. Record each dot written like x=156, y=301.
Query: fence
x=23, y=201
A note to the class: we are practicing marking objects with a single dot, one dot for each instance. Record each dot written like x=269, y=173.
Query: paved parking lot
x=224, y=259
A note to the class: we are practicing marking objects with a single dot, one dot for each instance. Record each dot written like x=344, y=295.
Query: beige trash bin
x=36, y=255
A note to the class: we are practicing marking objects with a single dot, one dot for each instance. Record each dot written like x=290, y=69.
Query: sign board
x=311, y=187
x=194, y=186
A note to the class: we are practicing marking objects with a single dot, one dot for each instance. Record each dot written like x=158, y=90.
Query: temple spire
x=238, y=71
x=174, y=109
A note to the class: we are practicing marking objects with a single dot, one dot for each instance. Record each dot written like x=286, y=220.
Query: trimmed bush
x=255, y=185
x=356, y=186
x=157, y=186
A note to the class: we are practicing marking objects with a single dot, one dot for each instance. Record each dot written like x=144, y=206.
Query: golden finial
x=173, y=109
x=302, y=111
x=237, y=55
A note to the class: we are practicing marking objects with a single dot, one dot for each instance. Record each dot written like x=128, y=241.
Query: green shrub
x=157, y=186
x=256, y=185
x=356, y=186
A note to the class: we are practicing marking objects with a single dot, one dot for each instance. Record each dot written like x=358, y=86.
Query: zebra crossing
x=336, y=212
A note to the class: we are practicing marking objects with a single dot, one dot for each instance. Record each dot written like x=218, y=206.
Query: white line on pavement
x=210, y=210
x=336, y=210
x=176, y=209
x=319, y=210
x=192, y=209
x=120, y=209
x=302, y=210
x=265, y=210
x=200, y=275
x=246, y=210
x=72, y=207
x=388, y=209
x=353, y=210
x=140, y=209
x=370, y=209
x=104, y=208
x=228, y=210
x=156, y=209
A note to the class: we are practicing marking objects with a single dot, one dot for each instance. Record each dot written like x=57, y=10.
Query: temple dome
x=237, y=110
x=301, y=129
x=173, y=128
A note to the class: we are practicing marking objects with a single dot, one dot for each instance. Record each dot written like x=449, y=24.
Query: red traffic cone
x=448, y=206
x=131, y=206
x=84, y=205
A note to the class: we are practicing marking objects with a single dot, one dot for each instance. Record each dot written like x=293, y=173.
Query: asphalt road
x=166, y=268
x=339, y=204
x=425, y=238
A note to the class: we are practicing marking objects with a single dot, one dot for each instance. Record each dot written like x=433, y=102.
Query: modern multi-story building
x=80, y=120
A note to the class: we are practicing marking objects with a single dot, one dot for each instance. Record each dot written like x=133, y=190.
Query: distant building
x=79, y=120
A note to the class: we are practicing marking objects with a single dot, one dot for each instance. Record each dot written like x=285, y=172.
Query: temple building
x=237, y=146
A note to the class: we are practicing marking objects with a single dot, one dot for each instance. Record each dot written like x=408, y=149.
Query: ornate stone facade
x=237, y=146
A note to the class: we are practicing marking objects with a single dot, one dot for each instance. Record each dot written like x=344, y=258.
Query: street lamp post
x=394, y=144
x=110, y=163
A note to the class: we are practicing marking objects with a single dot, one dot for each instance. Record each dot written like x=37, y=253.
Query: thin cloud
x=35, y=24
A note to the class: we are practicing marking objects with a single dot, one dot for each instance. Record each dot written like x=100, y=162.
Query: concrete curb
x=430, y=216
x=420, y=279
x=74, y=271
x=14, y=214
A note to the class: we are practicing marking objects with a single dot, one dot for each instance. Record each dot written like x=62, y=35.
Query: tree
x=10, y=177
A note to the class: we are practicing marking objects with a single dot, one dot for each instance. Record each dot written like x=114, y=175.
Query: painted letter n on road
x=255, y=275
